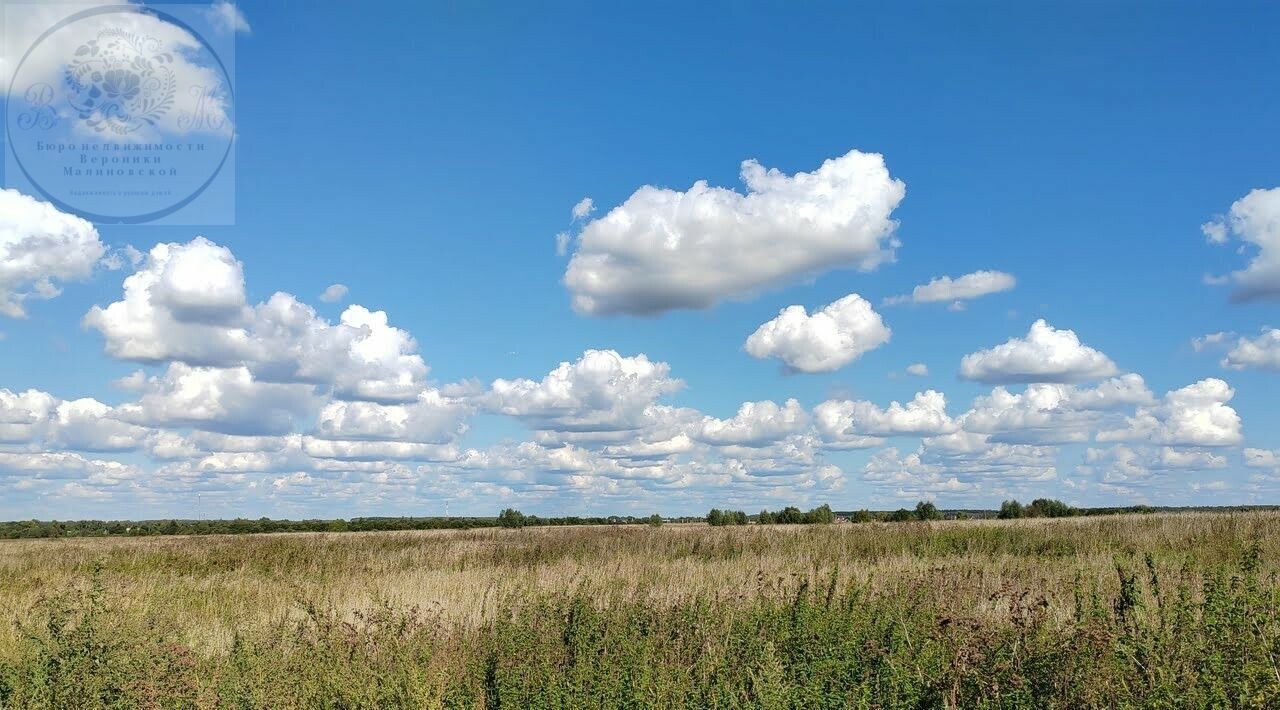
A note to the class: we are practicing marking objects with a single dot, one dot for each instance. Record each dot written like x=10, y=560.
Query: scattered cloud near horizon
x=270, y=403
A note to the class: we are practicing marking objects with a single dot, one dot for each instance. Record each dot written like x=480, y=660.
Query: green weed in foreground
x=1160, y=631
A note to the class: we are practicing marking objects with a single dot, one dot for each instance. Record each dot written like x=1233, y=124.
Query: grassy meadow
x=1165, y=611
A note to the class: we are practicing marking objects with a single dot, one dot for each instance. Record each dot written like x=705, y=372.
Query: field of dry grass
x=471, y=608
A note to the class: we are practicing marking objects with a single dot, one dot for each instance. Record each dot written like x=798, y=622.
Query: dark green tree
x=926, y=510
x=820, y=515
x=511, y=518
x=1049, y=508
x=790, y=515
x=1011, y=509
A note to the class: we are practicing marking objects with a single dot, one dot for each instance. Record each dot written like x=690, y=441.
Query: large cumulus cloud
x=40, y=248
x=1255, y=220
x=187, y=304
x=665, y=249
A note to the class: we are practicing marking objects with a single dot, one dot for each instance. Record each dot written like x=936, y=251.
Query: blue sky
x=426, y=156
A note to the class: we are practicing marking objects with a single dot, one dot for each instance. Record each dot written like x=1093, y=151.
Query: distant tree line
x=238, y=526
x=926, y=511
x=243, y=526
x=512, y=518
x=789, y=515
x=1039, y=508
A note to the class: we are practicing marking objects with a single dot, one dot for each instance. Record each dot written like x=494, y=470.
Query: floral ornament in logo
x=121, y=82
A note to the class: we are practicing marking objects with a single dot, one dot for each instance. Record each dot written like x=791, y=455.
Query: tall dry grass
x=467, y=618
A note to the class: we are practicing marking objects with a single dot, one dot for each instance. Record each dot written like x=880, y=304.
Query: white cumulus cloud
x=1053, y=413
x=601, y=391
x=1044, y=355
x=756, y=424
x=1255, y=220
x=187, y=304
x=664, y=249
x=825, y=341
x=1260, y=353
x=856, y=424
x=39, y=248
x=1195, y=415
x=1127, y=464
x=433, y=419
x=227, y=400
